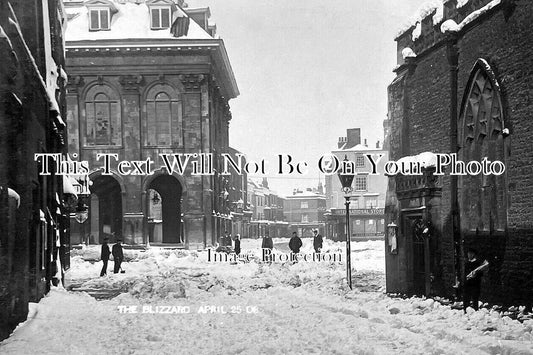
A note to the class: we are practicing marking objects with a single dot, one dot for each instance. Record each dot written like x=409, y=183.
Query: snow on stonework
x=408, y=53
x=423, y=11
x=176, y=302
x=439, y=15
x=461, y=3
x=417, y=31
x=449, y=26
x=452, y=26
x=427, y=159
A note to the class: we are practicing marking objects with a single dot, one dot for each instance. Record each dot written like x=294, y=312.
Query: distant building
x=237, y=220
x=149, y=77
x=34, y=235
x=304, y=211
x=367, y=201
x=266, y=207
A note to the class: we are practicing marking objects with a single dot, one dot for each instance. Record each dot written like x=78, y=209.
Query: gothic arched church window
x=103, y=123
x=163, y=119
x=483, y=199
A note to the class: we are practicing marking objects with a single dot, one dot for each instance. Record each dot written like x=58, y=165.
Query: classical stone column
x=132, y=206
x=194, y=114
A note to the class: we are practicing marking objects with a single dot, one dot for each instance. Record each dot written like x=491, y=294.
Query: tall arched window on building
x=103, y=123
x=483, y=200
x=163, y=119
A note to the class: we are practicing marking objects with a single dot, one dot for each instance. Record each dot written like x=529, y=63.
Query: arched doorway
x=105, y=210
x=164, y=210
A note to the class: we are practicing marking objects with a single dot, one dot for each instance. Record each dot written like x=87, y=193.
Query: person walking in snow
x=104, y=255
x=317, y=241
x=267, y=242
x=295, y=243
x=118, y=256
x=474, y=268
x=237, y=241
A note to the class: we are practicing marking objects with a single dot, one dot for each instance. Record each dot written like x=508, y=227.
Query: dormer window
x=100, y=13
x=99, y=19
x=160, y=16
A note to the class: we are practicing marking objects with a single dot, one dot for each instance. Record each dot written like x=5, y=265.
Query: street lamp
x=82, y=212
x=346, y=181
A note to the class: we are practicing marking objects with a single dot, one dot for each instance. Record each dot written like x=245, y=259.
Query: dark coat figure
x=118, y=256
x=237, y=245
x=317, y=242
x=474, y=268
x=295, y=243
x=267, y=243
x=225, y=241
x=104, y=255
x=228, y=241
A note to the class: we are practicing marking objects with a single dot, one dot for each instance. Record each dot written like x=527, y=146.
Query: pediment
x=103, y=3
x=161, y=3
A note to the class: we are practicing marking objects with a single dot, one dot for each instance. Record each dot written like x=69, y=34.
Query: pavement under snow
x=175, y=302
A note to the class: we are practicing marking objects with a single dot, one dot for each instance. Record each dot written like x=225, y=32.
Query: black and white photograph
x=266, y=177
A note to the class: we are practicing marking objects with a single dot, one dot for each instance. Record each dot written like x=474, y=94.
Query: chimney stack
x=342, y=141
x=366, y=145
x=353, y=137
x=377, y=144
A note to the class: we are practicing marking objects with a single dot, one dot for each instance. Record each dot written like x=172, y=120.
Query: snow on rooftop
x=306, y=194
x=451, y=26
x=358, y=147
x=423, y=11
x=131, y=21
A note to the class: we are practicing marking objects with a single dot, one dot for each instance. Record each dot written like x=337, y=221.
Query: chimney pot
x=342, y=141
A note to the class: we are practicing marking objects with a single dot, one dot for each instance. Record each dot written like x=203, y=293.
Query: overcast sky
x=307, y=70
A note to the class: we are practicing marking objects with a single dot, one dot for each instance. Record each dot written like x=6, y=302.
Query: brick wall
x=419, y=114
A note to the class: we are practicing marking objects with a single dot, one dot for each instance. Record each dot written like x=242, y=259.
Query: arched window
x=103, y=123
x=483, y=197
x=163, y=120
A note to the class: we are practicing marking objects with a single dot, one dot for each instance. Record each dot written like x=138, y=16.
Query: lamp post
x=346, y=179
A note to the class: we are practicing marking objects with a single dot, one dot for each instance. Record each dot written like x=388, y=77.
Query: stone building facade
x=148, y=79
x=265, y=208
x=34, y=239
x=367, y=199
x=464, y=86
x=304, y=211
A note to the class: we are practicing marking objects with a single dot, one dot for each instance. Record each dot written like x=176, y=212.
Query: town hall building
x=148, y=78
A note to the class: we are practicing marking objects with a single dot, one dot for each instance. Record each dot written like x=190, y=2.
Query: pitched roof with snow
x=357, y=148
x=131, y=25
x=130, y=21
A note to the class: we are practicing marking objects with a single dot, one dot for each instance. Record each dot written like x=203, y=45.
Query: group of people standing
x=118, y=256
x=227, y=242
x=296, y=242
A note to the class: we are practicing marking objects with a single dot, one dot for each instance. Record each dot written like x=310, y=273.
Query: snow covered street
x=175, y=302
